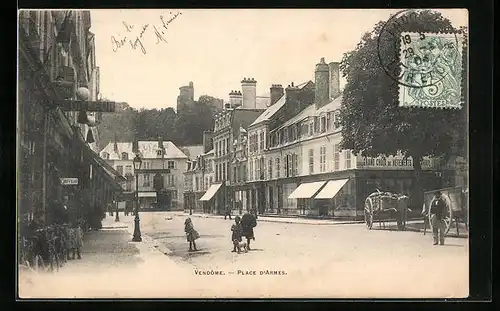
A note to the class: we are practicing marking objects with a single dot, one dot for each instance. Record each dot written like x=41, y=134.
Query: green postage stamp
x=431, y=70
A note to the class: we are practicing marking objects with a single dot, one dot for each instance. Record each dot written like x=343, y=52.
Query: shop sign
x=69, y=181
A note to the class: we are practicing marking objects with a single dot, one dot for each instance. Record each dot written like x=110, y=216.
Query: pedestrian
x=437, y=210
x=237, y=231
x=191, y=234
x=248, y=222
x=228, y=211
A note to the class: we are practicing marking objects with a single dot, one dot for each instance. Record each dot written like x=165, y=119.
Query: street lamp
x=137, y=230
x=117, y=218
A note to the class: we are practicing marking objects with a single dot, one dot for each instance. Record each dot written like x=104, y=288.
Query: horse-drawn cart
x=379, y=203
x=456, y=208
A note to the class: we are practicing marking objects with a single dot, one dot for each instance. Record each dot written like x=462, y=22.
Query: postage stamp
x=431, y=70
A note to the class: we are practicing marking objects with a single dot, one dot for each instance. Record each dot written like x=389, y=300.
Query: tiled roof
x=147, y=150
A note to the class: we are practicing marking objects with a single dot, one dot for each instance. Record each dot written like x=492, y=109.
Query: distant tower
x=186, y=96
x=322, y=85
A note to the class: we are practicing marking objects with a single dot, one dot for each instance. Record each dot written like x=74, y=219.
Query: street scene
x=334, y=169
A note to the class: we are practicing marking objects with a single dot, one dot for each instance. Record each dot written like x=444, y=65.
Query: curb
x=290, y=222
x=147, y=239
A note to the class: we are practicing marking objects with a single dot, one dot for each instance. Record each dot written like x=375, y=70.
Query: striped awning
x=210, y=192
x=331, y=189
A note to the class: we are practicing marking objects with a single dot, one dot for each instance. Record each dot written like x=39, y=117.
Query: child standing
x=191, y=234
x=237, y=231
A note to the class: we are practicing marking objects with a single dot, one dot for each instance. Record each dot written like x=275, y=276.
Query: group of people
x=242, y=228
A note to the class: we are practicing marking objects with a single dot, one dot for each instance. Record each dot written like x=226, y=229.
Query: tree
x=373, y=124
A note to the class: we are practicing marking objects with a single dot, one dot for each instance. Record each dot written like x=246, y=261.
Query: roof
x=270, y=111
x=192, y=151
x=262, y=102
x=147, y=150
x=243, y=118
x=311, y=111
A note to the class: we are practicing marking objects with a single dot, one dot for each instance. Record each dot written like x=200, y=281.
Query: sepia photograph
x=242, y=153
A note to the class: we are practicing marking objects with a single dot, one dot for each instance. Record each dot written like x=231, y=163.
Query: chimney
x=276, y=92
x=334, y=79
x=207, y=141
x=135, y=146
x=292, y=99
x=322, y=85
x=249, y=91
x=160, y=142
x=115, y=145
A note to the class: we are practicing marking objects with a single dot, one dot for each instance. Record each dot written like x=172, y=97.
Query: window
x=336, y=120
x=311, y=161
x=146, y=181
x=322, y=159
x=171, y=180
x=105, y=156
x=336, y=157
x=257, y=169
x=262, y=166
x=210, y=180
x=290, y=165
x=216, y=172
x=146, y=165
x=323, y=124
x=171, y=164
x=159, y=152
x=227, y=145
x=347, y=155
x=270, y=169
x=261, y=139
x=197, y=184
x=128, y=169
x=277, y=161
x=235, y=169
x=328, y=121
x=311, y=128
x=223, y=171
x=295, y=164
x=119, y=169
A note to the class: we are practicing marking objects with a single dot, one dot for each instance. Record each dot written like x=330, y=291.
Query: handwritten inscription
x=137, y=42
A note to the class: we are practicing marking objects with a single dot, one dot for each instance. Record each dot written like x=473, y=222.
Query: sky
x=217, y=48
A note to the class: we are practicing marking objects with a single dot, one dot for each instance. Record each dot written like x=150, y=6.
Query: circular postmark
x=415, y=54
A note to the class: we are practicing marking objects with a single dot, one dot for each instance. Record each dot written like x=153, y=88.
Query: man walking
x=228, y=211
x=437, y=210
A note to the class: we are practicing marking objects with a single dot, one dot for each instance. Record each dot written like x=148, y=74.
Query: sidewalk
x=111, y=265
x=287, y=220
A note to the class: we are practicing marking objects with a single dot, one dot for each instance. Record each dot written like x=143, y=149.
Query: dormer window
x=159, y=152
x=124, y=156
x=105, y=155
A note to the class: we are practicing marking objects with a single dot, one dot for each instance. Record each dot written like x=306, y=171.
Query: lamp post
x=137, y=230
x=117, y=218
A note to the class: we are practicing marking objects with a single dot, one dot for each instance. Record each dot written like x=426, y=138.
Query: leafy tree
x=373, y=124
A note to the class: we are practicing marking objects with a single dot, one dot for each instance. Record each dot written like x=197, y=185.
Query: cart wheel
x=368, y=214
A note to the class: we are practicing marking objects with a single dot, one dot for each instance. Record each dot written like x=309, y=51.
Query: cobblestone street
x=297, y=260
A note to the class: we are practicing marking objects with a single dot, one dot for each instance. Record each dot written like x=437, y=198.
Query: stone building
x=295, y=165
x=161, y=177
x=57, y=159
x=198, y=178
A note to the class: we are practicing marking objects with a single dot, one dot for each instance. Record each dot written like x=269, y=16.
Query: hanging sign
x=69, y=181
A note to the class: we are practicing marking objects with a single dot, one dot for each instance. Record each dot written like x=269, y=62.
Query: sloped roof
x=192, y=151
x=147, y=150
x=270, y=111
x=311, y=111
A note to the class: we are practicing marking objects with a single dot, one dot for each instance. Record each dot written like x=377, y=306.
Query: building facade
x=55, y=152
x=161, y=177
x=301, y=170
x=228, y=138
x=198, y=178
